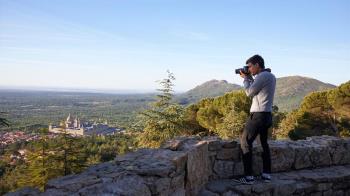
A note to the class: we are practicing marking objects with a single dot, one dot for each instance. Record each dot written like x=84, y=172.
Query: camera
x=244, y=70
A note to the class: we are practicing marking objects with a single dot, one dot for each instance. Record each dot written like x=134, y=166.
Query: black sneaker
x=245, y=180
x=265, y=177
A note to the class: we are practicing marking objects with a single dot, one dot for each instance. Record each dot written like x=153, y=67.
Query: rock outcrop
x=319, y=165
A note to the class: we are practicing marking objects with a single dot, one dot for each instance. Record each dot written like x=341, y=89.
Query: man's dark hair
x=256, y=59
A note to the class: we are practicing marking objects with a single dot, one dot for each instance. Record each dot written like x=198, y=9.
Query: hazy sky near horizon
x=129, y=44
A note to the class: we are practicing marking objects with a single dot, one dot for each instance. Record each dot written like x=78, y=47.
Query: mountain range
x=289, y=93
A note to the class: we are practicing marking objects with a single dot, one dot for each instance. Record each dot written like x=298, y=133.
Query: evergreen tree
x=224, y=116
x=48, y=158
x=277, y=118
x=3, y=121
x=40, y=164
x=287, y=125
x=70, y=152
x=320, y=113
x=236, y=107
x=164, y=119
x=192, y=123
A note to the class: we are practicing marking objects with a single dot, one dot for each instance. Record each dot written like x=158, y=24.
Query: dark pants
x=257, y=123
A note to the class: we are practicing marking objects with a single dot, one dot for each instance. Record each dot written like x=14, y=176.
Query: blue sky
x=125, y=44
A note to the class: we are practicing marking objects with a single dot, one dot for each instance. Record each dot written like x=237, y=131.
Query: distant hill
x=289, y=91
x=210, y=88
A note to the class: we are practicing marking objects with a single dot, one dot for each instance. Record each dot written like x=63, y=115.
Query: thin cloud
x=191, y=35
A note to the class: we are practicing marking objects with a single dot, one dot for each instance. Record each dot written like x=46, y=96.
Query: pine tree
x=164, y=119
x=41, y=165
x=237, y=105
x=3, y=121
x=70, y=152
x=223, y=116
x=320, y=113
x=277, y=118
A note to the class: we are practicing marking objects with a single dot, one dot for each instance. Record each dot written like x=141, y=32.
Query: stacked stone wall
x=204, y=166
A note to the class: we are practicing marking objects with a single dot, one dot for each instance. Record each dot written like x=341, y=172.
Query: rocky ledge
x=204, y=166
x=327, y=181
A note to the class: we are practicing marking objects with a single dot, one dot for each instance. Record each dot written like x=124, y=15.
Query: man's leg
x=247, y=138
x=247, y=157
x=266, y=157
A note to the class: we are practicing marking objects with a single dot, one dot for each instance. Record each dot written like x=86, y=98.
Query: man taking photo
x=261, y=89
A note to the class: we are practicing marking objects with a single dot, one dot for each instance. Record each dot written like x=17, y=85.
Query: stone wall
x=318, y=151
x=326, y=181
x=187, y=165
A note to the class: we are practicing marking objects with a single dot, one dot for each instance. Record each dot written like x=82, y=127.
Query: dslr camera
x=244, y=70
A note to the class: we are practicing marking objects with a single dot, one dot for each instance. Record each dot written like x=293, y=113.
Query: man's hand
x=242, y=74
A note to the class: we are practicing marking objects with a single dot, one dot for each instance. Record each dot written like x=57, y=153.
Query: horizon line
x=112, y=90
